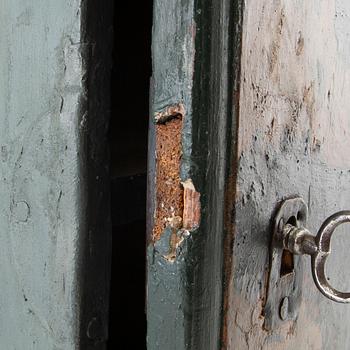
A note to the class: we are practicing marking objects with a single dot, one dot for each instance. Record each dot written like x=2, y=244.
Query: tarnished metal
x=284, y=287
x=299, y=240
x=290, y=235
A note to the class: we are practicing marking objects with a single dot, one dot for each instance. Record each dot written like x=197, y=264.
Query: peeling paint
x=170, y=113
x=169, y=191
x=192, y=206
x=177, y=202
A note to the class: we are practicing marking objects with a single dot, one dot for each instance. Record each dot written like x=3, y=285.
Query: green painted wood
x=195, y=45
x=172, y=80
x=53, y=226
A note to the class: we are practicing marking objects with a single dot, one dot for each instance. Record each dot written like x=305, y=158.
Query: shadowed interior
x=128, y=166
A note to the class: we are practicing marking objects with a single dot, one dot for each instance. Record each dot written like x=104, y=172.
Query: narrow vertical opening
x=287, y=260
x=287, y=263
x=128, y=166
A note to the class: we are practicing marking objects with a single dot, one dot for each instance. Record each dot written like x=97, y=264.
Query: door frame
x=196, y=65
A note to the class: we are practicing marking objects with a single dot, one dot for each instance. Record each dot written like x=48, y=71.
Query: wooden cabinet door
x=54, y=235
x=250, y=106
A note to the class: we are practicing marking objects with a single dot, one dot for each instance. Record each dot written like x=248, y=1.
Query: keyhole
x=287, y=259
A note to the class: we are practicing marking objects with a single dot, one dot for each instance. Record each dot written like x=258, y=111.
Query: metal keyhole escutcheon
x=299, y=241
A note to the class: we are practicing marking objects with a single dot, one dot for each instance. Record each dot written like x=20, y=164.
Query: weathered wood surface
x=171, y=85
x=266, y=97
x=54, y=234
x=293, y=138
x=191, y=68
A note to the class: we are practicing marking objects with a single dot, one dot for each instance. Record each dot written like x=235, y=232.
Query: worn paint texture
x=171, y=111
x=292, y=139
x=192, y=206
x=190, y=68
x=265, y=88
x=177, y=203
x=47, y=150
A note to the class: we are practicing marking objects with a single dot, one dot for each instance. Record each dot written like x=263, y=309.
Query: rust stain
x=169, y=191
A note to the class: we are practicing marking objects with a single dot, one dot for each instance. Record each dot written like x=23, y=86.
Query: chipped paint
x=169, y=191
x=170, y=112
x=192, y=206
x=177, y=203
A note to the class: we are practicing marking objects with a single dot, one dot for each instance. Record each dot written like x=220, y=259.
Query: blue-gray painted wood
x=194, y=63
x=49, y=221
x=172, y=80
x=293, y=139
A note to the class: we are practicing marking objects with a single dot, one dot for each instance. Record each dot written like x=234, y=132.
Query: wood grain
x=293, y=139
